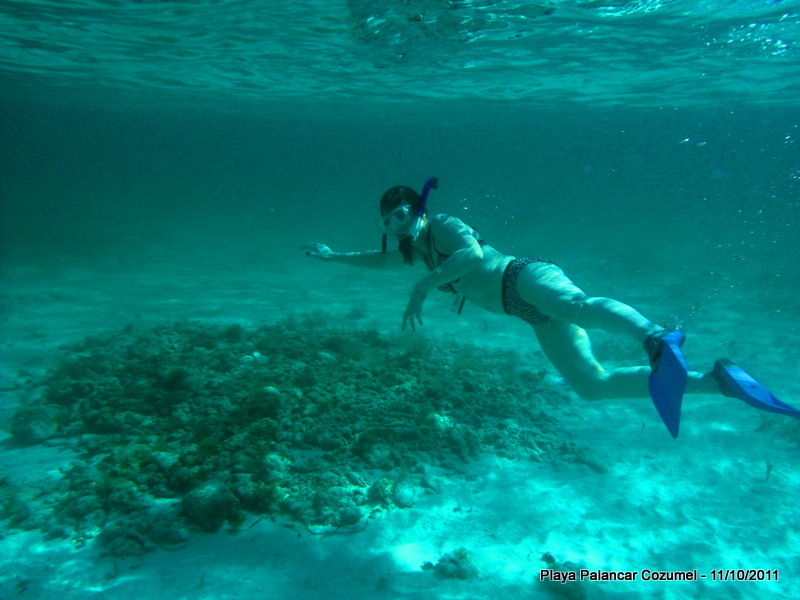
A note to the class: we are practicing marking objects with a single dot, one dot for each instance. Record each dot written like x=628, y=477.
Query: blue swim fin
x=735, y=382
x=668, y=377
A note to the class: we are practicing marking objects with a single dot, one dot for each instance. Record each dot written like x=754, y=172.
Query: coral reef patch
x=192, y=425
x=453, y=565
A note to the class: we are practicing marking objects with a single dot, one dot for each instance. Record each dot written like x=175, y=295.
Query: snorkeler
x=536, y=290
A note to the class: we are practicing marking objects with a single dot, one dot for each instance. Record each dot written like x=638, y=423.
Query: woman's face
x=398, y=222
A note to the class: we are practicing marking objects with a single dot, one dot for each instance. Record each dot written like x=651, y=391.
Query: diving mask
x=400, y=221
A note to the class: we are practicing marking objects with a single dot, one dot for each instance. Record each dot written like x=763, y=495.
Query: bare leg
x=566, y=343
x=568, y=348
x=547, y=287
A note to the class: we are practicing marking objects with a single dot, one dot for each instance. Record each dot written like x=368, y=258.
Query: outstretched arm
x=371, y=259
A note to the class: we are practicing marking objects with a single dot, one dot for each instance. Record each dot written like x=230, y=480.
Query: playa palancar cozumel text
x=557, y=576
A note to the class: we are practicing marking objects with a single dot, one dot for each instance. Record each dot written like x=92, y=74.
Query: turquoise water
x=241, y=53
x=162, y=163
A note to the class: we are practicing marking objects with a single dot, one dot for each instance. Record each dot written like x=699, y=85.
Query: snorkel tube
x=423, y=198
x=433, y=182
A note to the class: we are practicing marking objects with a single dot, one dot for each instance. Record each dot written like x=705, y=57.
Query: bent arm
x=466, y=253
x=459, y=264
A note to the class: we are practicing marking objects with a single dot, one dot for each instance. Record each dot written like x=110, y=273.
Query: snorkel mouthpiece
x=423, y=198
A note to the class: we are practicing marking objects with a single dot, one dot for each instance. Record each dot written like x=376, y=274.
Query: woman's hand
x=317, y=250
x=414, y=308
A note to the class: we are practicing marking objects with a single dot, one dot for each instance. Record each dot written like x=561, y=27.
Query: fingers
x=414, y=310
x=315, y=249
x=409, y=319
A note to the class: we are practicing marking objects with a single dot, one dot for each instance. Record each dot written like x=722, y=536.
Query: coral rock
x=210, y=505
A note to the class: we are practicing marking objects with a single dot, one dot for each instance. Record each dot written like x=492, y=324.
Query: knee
x=589, y=386
x=599, y=302
x=571, y=307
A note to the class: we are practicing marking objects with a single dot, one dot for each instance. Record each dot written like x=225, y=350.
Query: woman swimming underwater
x=536, y=290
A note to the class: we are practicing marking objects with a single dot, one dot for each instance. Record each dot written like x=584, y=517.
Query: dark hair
x=398, y=196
